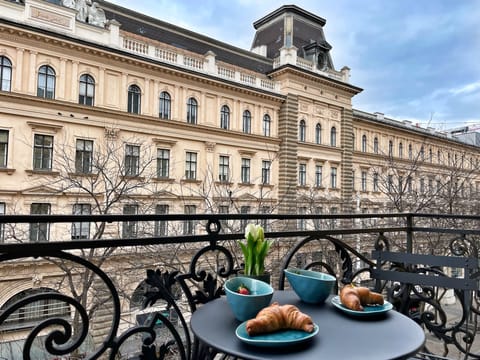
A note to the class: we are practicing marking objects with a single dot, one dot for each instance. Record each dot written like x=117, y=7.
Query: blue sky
x=415, y=59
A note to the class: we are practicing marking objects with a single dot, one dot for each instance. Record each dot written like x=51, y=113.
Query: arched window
x=318, y=133
x=430, y=155
x=364, y=143
x=86, y=92
x=46, y=82
x=390, y=148
x=5, y=74
x=333, y=136
x=400, y=150
x=192, y=111
x=301, y=131
x=375, y=145
x=225, y=117
x=410, y=152
x=134, y=99
x=247, y=122
x=164, y=105
x=266, y=125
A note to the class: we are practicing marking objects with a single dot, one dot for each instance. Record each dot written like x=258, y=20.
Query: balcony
x=130, y=289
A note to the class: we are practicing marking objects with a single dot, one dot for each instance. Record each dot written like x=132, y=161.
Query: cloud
x=466, y=89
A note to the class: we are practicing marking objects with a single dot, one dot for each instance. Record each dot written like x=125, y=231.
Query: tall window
x=266, y=125
x=245, y=171
x=247, y=122
x=42, y=152
x=375, y=181
x=39, y=232
x=318, y=175
x=223, y=168
x=190, y=165
x=163, y=163
x=5, y=74
x=46, y=82
x=130, y=228
x=400, y=150
x=3, y=148
x=410, y=152
x=165, y=105
x=2, y=225
x=390, y=148
x=302, y=174
x=318, y=133
x=390, y=184
x=81, y=230
x=364, y=143
x=244, y=209
x=333, y=177
x=86, y=93
x=83, y=156
x=364, y=181
x=132, y=160
x=333, y=136
x=192, y=111
x=301, y=221
x=301, y=131
x=134, y=99
x=161, y=226
x=189, y=225
x=225, y=117
x=422, y=153
x=375, y=145
x=422, y=186
x=266, y=171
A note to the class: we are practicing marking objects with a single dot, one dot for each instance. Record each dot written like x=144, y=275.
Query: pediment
x=41, y=190
x=247, y=197
x=165, y=195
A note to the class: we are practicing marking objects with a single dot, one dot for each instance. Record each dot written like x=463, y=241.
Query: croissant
x=355, y=298
x=278, y=317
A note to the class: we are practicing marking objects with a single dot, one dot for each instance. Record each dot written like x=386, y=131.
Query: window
x=46, y=82
x=430, y=155
x=318, y=133
x=318, y=175
x=333, y=136
x=422, y=153
x=191, y=165
x=265, y=223
x=390, y=148
x=266, y=172
x=2, y=225
x=364, y=143
x=39, y=232
x=247, y=122
x=86, y=93
x=225, y=117
x=302, y=221
x=364, y=181
x=375, y=181
x=3, y=148
x=266, y=125
x=410, y=152
x=165, y=106
x=375, y=145
x=83, y=156
x=422, y=186
x=301, y=131
x=189, y=225
x=130, y=228
x=400, y=150
x=5, y=74
x=333, y=177
x=81, y=230
x=163, y=163
x=354, y=180
x=42, y=152
x=134, y=99
x=302, y=174
x=132, y=160
x=192, y=111
x=245, y=172
x=161, y=226
x=244, y=210
x=390, y=184
x=409, y=184
x=223, y=168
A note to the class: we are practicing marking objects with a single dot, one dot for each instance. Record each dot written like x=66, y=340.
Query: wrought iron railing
x=128, y=288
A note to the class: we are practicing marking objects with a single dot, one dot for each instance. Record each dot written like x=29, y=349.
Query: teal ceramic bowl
x=246, y=307
x=311, y=286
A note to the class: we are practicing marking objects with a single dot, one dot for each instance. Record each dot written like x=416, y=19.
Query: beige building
x=104, y=110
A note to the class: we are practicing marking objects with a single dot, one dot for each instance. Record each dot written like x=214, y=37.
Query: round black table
x=387, y=336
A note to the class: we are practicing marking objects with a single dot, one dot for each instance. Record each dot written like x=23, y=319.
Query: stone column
x=62, y=78
x=74, y=81
x=17, y=85
x=100, y=88
x=32, y=74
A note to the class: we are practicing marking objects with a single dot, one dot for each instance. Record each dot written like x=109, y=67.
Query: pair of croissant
x=278, y=317
x=355, y=298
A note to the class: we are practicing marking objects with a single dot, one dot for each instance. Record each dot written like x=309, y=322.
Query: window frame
x=333, y=177
x=318, y=133
x=245, y=170
x=247, y=122
x=225, y=117
x=165, y=105
x=134, y=99
x=161, y=226
x=5, y=74
x=192, y=111
x=318, y=176
x=302, y=128
x=364, y=143
x=223, y=168
x=46, y=82
x=83, y=156
x=39, y=232
x=302, y=174
x=4, y=142
x=86, y=90
x=132, y=160
x=266, y=125
x=129, y=227
x=42, y=153
x=191, y=159
x=266, y=168
x=81, y=229
x=333, y=136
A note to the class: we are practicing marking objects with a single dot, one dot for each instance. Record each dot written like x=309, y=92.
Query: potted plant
x=254, y=251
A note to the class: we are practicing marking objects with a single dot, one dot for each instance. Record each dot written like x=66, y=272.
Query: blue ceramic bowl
x=311, y=286
x=246, y=307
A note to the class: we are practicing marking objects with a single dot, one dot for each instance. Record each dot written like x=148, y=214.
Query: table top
x=341, y=336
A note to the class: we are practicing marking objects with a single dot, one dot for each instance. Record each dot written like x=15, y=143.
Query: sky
x=416, y=60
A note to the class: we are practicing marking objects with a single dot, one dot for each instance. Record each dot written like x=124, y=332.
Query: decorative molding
x=44, y=126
